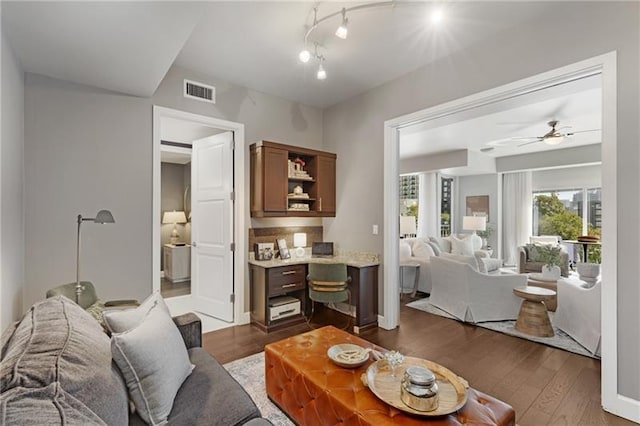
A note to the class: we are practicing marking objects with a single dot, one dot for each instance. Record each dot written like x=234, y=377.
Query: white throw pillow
x=405, y=250
x=121, y=321
x=154, y=362
x=443, y=243
x=422, y=250
x=463, y=247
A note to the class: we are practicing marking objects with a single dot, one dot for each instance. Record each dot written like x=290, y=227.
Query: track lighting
x=304, y=56
x=322, y=74
x=342, y=30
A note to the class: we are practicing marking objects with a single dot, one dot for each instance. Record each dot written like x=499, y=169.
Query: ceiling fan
x=554, y=136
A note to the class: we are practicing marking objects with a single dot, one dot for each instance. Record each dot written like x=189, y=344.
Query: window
x=446, y=197
x=409, y=195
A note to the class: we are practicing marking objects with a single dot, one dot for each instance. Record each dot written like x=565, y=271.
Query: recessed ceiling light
x=437, y=15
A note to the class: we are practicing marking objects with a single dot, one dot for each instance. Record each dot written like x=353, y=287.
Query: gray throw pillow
x=119, y=321
x=435, y=247
x=154, y=362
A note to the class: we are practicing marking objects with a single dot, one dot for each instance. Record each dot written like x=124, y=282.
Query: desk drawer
x=286, y=278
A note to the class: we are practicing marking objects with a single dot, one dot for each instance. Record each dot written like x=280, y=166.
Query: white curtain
x=517, y=214
x=428, y=206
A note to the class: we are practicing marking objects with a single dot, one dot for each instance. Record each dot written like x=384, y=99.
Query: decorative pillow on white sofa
x=405, y=250
x=443, y=243
x=154, y=363
x=463, y=247
x=422, y=250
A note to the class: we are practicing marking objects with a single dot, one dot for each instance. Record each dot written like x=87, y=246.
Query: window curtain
x=517, y=214
x=428, y=207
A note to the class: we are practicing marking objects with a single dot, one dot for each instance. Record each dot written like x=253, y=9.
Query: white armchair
x=472, y=296
x=578, y=312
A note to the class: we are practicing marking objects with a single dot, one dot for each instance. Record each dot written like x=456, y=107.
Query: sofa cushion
x=58, y=343
x=422, y=250
x=444, y=243
x=462, y=246
x=489, y=264
x=48, y=405
x=470, y=260
x=404, y=251
x=154, y=362
x=120, y=321
x=435, y=247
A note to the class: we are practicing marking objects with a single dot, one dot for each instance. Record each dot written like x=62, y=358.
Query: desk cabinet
x=291, y=280
x=177, y=262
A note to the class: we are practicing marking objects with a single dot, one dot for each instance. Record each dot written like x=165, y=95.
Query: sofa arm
x=190, y=328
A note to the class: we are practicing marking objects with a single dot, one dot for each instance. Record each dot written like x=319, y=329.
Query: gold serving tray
x=452, y=389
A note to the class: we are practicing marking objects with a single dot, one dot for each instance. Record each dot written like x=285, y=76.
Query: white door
x=212, y=226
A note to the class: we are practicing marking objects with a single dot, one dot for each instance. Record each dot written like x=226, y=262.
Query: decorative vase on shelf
x=588, y=272
x=551, y=273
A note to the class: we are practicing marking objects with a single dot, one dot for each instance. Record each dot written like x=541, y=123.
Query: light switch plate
x=375, y=229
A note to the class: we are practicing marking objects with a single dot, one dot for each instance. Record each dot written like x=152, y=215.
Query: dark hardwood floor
x=543, y=384
x=169, y=289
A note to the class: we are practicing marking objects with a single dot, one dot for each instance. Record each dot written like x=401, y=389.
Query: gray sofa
x=56, y=369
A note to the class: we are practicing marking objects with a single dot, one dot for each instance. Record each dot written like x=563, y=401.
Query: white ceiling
x=129, y=46
x=122, y=46
x=576, y=104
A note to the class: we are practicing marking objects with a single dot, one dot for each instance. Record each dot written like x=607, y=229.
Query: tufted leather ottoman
x=306, y=385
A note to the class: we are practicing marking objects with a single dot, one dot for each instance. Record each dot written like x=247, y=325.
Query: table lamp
x=174, y=217
x=103, y=216
x=408, y=226
x=475, y=223
x=300, y=242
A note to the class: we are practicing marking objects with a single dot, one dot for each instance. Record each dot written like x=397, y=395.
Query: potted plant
x=485, y=236
x=550, y=256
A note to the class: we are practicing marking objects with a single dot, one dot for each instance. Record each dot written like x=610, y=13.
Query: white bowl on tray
x=348, y=355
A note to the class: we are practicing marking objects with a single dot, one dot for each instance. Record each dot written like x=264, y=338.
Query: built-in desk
x=275, y=278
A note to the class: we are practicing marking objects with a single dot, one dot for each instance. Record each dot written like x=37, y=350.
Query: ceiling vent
x=199, y=91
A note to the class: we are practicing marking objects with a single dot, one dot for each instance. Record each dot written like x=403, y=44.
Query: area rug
x=561, y=340
x=249, y=372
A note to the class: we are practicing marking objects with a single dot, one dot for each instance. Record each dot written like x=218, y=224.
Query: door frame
x=239, y=234
x=605, y=65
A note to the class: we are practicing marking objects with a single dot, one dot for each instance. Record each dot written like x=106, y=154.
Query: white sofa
x=578, y=312
x=472, y=296
x=421, y=250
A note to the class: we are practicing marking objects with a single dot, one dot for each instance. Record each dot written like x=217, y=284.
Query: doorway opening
x=198, y=216
x=604, y=65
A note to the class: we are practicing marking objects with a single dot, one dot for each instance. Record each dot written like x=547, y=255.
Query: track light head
x=342, y=30
x=322, y=74
x=304, y=56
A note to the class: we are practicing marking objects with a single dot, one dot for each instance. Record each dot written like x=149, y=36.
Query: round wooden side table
x=533, y=318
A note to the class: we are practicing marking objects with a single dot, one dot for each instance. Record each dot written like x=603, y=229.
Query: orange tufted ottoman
x=312, y=390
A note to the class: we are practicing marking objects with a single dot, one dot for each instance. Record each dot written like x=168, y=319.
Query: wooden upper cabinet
x=289, y=181
x=326, y=186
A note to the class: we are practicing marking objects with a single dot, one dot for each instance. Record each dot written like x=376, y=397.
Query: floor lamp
x=103, y=216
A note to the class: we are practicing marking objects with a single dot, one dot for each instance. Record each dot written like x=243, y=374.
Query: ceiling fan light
x=304, y=56
x=553, y=140
x=322, y=74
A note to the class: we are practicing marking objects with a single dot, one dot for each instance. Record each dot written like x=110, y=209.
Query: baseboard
x=384, y=323
x=625, y=407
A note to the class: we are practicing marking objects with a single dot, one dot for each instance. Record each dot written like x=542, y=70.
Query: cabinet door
x=275, y=180
x=326, y=183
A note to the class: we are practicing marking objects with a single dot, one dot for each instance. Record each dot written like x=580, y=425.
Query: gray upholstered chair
x=328, y=283
x=89, y=298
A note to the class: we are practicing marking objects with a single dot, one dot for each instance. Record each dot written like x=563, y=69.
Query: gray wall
x=11, y=187
x=354, y=130
x=87, y=149
x=479, y=185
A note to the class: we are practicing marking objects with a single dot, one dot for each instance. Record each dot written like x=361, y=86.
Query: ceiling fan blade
x=529, y=143
x=518, y=138
x=582, y=131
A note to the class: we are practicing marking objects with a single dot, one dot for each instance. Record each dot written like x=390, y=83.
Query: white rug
x=561, y=340
x=249, y=372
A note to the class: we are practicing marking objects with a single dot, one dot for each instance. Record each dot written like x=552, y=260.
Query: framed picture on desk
x=282, y=249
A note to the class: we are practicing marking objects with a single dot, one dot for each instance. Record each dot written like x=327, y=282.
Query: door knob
x=194, y=244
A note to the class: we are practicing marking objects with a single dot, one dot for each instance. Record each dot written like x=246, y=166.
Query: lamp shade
x=474, y=223
x=104, y=216
x=174, y=217
x=408, y=225
x=299, y=239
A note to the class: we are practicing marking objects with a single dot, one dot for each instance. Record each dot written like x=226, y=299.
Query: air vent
x=199, y=91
